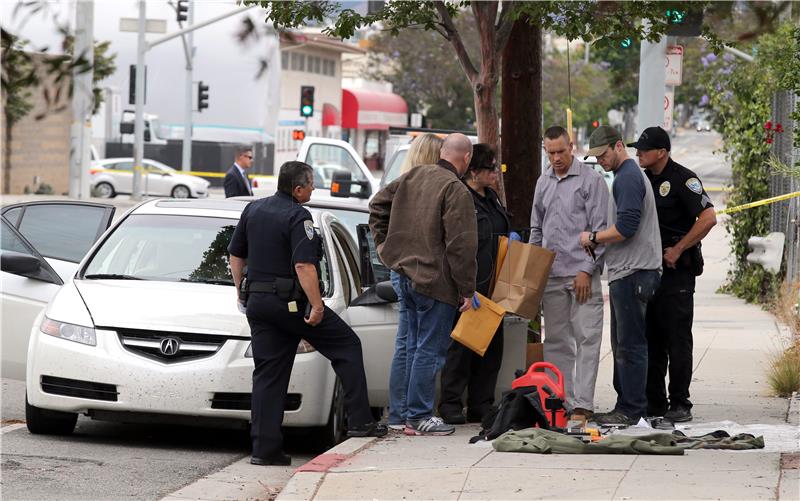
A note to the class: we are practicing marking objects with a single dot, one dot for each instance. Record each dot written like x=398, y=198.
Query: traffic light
x=596, y=123
x=306, y=101
x=298, y=135
x=202, y=96
x=182, y=10
x=684, y=23
x=626, y=42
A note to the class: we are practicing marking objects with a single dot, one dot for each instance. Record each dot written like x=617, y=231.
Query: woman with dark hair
x=464, y=368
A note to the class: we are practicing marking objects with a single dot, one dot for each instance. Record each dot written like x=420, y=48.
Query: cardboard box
x=534, y=353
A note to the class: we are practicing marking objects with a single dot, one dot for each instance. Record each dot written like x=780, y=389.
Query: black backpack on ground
x=518, y=409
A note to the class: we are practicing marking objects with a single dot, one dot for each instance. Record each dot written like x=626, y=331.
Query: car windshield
x=166, y=248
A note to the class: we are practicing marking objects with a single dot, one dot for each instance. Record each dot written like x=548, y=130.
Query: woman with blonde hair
x=424, y=150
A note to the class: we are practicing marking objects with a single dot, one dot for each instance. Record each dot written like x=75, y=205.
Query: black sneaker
x=454, y=419
x=613, y=418
x=368, y=430
x=678, y=414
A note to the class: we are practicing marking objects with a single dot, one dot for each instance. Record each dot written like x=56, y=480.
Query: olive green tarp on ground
x=539, y=441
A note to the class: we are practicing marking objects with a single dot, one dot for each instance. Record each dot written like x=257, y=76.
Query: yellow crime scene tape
x=759, y=203
x=188, y=173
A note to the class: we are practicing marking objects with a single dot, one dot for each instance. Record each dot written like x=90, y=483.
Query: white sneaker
x=430, y=426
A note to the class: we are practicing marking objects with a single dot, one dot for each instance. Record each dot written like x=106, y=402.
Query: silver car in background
x=114, y=176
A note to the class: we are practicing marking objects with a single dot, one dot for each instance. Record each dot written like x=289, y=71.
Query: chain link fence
x=785, y=216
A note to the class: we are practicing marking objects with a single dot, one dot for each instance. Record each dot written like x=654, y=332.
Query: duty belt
x=262, y=287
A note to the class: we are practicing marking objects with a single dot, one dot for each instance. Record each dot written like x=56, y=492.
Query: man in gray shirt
x=571, y=197
x=633, y=258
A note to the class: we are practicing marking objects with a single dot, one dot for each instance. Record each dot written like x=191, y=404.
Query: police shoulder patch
x=309, y=227
x=694, y=184
x=663, y=190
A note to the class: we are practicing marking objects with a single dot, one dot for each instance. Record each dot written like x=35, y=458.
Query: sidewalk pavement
x=733, y=345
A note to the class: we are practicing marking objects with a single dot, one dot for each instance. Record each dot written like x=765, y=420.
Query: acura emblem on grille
x=170, y=346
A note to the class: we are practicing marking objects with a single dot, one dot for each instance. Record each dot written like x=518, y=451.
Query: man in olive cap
x=633, y=260
x=685, y=216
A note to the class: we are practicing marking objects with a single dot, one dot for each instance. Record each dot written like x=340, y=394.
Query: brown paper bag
x=522, y=278
x=476, y=328
x=502, y=248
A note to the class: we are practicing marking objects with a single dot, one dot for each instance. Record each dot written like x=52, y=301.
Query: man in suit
x=236, y=182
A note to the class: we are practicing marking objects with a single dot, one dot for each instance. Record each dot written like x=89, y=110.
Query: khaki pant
x=572, y=335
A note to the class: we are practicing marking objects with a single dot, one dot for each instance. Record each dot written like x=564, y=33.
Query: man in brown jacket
x=424, y=227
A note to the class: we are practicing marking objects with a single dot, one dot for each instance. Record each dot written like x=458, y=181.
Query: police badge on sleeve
x=694, y=184
x=309, y=227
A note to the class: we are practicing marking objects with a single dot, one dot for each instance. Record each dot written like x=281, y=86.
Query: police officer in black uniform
x=685, y=216
x=275, y=239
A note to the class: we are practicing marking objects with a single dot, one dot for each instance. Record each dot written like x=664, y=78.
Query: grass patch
x=784, y=370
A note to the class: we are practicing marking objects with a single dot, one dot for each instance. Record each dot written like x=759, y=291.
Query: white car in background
x=336, y=164
x=114, y=176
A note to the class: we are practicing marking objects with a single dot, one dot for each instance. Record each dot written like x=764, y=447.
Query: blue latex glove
x=476, y=303
x=513, y=236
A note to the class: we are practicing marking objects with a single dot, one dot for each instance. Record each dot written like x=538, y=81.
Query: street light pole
x=138, y=127
x=186, y=158
x=652, y=86
x=82, y=100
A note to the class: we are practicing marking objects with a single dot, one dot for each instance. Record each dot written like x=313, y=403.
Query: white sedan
x=114, y=176
x=149, y=329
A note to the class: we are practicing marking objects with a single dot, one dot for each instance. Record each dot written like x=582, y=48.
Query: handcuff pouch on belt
x=289, y=289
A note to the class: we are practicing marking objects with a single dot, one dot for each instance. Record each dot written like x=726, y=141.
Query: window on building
x=298, y=61
x=317, y=65
x=284, y=60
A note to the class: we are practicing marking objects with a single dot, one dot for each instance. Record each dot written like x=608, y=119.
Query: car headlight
x=303, y=347
x=70, y=332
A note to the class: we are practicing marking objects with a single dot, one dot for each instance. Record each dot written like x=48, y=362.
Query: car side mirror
x=19, y=263
x=385, y=291
x=380, y=293
x=342, y=186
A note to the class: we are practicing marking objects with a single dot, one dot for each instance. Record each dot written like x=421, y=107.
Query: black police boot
x=278, y=459
x=678, y=414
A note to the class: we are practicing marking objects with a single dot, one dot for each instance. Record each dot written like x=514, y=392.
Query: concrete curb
x=306, y=479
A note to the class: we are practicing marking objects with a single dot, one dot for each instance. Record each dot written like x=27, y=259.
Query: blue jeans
x=398, y=376
x=629, y=297
x=429, y=325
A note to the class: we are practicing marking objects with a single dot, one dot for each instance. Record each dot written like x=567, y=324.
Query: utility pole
x=138, y=127
x=186, y=158
x=652, y=75
x=82, y=101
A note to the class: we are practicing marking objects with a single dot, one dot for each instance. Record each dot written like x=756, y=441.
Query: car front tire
x=47, y=422
x=336, y=430
x=181, y=191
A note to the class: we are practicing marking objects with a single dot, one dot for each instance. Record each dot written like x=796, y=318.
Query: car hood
x=164, y=306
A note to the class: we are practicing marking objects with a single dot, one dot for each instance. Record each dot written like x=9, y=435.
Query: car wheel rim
x=180, y=192
x=104, y=190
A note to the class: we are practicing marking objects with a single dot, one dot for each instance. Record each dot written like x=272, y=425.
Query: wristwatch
x=593, y=237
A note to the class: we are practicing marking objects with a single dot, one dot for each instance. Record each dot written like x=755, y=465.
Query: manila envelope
x=476, y=328
x=522, y=278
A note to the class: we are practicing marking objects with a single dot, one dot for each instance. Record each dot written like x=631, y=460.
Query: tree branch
x=455, y=39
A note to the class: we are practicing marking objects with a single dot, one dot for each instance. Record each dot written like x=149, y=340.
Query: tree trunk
x=7, y=158
x=522, y=118
x=484, y=84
